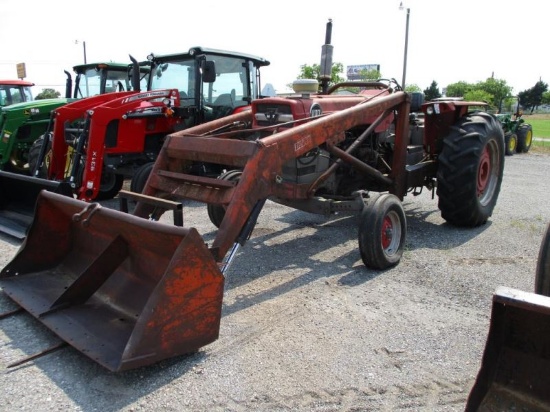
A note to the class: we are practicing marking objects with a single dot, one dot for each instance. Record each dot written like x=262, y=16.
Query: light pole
x=84, y=48
x=406, y=45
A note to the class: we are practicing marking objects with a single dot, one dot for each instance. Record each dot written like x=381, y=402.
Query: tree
x=531, y=98
x=478, y=95
x=432, y=92
x=498, y=89
x=370, y=74
x=546, y=98
x=412, y=88
x=48, y=94
x=458, y=89
x=314, y=72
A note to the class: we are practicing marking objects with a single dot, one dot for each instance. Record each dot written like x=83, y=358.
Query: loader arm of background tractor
x=64, y=116
x=121, y=126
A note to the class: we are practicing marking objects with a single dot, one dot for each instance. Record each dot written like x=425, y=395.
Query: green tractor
x=518, y=135
x=23, y=123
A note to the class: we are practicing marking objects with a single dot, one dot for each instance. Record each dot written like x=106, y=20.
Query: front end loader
x=23, y=127
x=361, y=151
x=94, y=144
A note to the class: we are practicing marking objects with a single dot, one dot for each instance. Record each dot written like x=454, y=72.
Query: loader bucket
x=18, y=194
x=125, y=291
x=515, y=369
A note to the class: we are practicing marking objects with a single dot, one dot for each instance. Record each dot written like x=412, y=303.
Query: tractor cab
x=99, y=78
x=212, y=83
x=15, y=91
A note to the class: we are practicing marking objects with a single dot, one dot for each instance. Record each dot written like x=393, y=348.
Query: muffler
x=124, y=291
x=515, y=369
x=18, y=194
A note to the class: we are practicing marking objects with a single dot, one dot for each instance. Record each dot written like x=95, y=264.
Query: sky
x=448, y=42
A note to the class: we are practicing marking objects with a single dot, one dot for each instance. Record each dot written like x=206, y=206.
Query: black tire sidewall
x=370, y=232
x=458, y=168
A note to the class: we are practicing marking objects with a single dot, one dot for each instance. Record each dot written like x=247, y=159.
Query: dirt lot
x=306, y=326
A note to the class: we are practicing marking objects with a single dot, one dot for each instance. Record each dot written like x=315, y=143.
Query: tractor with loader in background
x=92, y=145
x=21, y=124
x=128, y=291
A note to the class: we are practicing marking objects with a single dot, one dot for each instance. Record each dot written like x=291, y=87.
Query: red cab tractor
x=98, y=142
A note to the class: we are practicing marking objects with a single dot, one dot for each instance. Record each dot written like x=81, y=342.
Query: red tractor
x=159, y=288
x=98, y=142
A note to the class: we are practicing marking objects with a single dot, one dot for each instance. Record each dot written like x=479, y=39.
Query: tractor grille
x=270, y=114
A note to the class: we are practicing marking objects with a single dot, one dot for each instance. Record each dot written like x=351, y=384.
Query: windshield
x=11, y=94
x=230, y=88
x=90, y=83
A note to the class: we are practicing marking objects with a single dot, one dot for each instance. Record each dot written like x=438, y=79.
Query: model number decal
x=303, y=142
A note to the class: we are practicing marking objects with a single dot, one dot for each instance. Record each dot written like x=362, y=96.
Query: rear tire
x=542, y=278
x=525, y=138
x=510, y=143
x=470, y=170
x=382, y=232
x=216, y=212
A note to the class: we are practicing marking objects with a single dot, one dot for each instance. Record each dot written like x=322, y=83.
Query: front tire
x=139, y=180
x=470, y=170
x=216, y=212
x=525, y=138
x=510, y=143
x=34, y=154
x=382, y=232
x=110, y=185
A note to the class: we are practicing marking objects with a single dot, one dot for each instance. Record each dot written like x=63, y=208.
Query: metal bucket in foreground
x=18, y=194
x=515, y=370
x=125, y=291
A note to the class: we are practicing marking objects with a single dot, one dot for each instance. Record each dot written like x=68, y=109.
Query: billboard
x=354, y=71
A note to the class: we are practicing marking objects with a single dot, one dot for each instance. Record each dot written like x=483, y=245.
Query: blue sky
x=448, y=41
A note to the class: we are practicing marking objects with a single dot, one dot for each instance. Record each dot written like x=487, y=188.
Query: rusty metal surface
x=514, y=371
x=262, y=160
x=122, y=290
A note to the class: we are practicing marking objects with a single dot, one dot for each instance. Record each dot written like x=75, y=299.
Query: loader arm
x=261, y=161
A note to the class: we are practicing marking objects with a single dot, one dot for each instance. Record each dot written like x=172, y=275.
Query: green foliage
x=493, y=91
x=496, y=88
x=478, y=95
x=546, y=98
x=314, y=72
x=370, y=74
x=531, y=98
x=48, y=94
x=412, y=88
x=458, y=89
x=432, y=92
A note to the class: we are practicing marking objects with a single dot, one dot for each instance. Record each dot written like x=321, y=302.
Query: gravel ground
x=306, y=326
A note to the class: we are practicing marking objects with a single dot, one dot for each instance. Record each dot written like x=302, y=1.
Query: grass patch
x=540, y=123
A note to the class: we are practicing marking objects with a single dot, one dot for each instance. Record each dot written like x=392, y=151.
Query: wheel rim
x=487, y=173
x=18, y=160
x=391, y=233
x=512, y=143
x=528, y=138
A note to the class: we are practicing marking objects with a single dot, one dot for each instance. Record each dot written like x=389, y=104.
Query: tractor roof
x=259, y=61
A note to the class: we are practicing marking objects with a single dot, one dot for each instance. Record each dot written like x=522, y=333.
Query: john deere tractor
x=518, y=135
